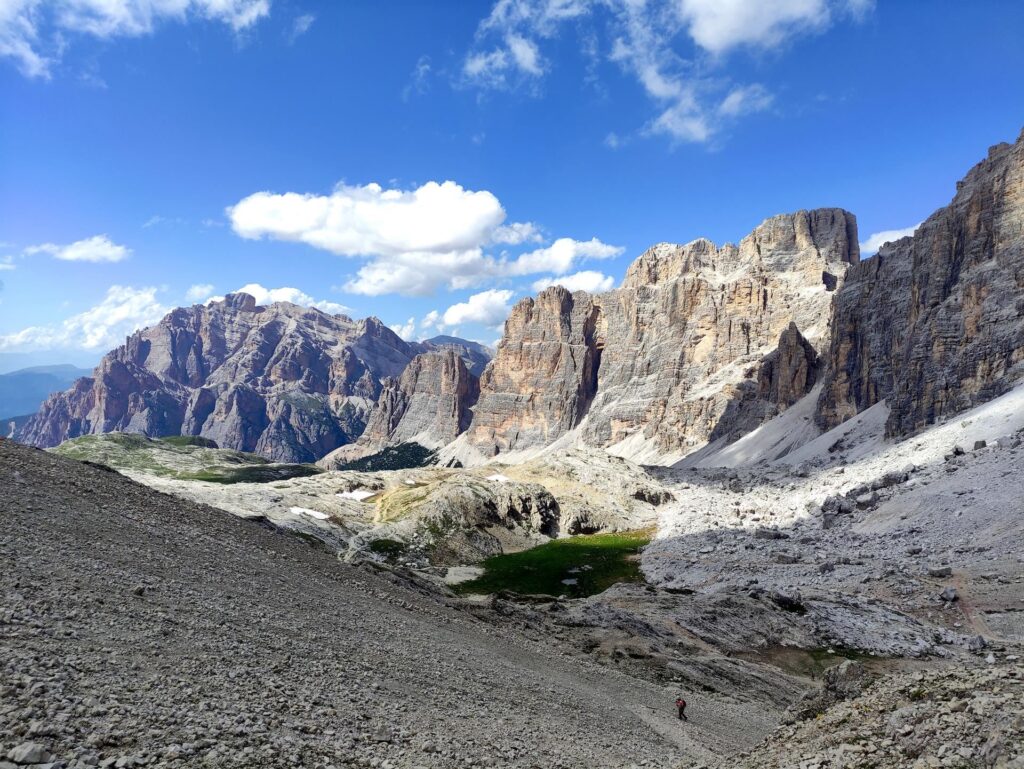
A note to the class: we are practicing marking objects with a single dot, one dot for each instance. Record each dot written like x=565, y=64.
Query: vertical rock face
x=430, y=404
x=933, y=322
x=288, y=382
x=654, y=365
x=543, y=377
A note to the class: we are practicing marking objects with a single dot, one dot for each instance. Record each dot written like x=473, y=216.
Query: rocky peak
x=240, y=302
x=289, y=382
x=820, y=241
x=650, y=369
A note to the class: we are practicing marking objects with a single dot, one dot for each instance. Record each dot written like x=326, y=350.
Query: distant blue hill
x=22, y=391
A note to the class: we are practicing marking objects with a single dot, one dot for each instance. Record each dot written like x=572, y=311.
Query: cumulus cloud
x=586, y=280
x=876, y=239
x=405, y=330
x=200, y=292
x=265, y=296
x=517, y=232
x=98, y=248
x=122, y=311
x=355, y=221
x=34, y=33
x=411, y=241
x=647, y=41
x=488, y=308
x=720, y=25
x=561, y=255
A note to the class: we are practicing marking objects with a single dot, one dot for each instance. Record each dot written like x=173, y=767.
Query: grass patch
x=182, y=457
x=595, y=561
x=267, y=473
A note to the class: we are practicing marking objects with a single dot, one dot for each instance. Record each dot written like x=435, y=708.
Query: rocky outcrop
x=544, y=374
x=932, y=323
x=651, y=368
x=430, y=404
x=288, y=382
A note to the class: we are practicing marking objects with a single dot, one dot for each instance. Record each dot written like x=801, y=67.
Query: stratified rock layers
x=933, y=322
x=657, y=362
x=430, y=404
x=543, y=377
x=288, y=382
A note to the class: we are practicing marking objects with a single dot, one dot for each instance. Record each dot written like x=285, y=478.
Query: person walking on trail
x=681, y=705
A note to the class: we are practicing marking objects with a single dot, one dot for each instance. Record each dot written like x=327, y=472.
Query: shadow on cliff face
x=771, y=385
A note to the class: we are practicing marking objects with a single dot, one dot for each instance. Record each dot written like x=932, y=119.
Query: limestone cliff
x=652, y=368
x=932, y=323
x=544, y=374
x=289, y=382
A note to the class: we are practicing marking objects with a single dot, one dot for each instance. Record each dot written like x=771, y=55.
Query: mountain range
x=699, y=346
x=22, y=391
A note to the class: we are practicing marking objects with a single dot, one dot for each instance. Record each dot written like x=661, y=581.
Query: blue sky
x=432, y=162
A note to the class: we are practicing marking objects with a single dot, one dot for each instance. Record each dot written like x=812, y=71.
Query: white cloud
x=98, y=248
x=745, y=100
x=300, y=26
x=876, y=239
x=123, y=311
x=525, y=54
x=420, y=80
x=199, y=292
x=488, y=308
x=432, y=320
x=265, y=296
x=369, y=220
x=719, y=25
x=560, y=256
x=414, y=241
x=7, y=263
x=405, y=330
x=35, y=32
x=590, y=281
x=517, y=232
x=646, y=38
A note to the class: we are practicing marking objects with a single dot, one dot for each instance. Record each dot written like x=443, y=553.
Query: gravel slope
x=140, y=629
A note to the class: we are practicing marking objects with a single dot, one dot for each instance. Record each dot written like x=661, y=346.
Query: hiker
x=681, y=704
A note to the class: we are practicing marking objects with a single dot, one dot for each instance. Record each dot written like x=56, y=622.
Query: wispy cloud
x=35, y=33
x=675, y=50
x=300, y=26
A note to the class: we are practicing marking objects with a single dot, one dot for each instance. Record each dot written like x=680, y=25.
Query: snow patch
x=357, y=494
x=306, y=511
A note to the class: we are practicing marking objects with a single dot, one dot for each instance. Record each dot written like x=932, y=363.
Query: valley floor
x=139, y=627
x=144, y=629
